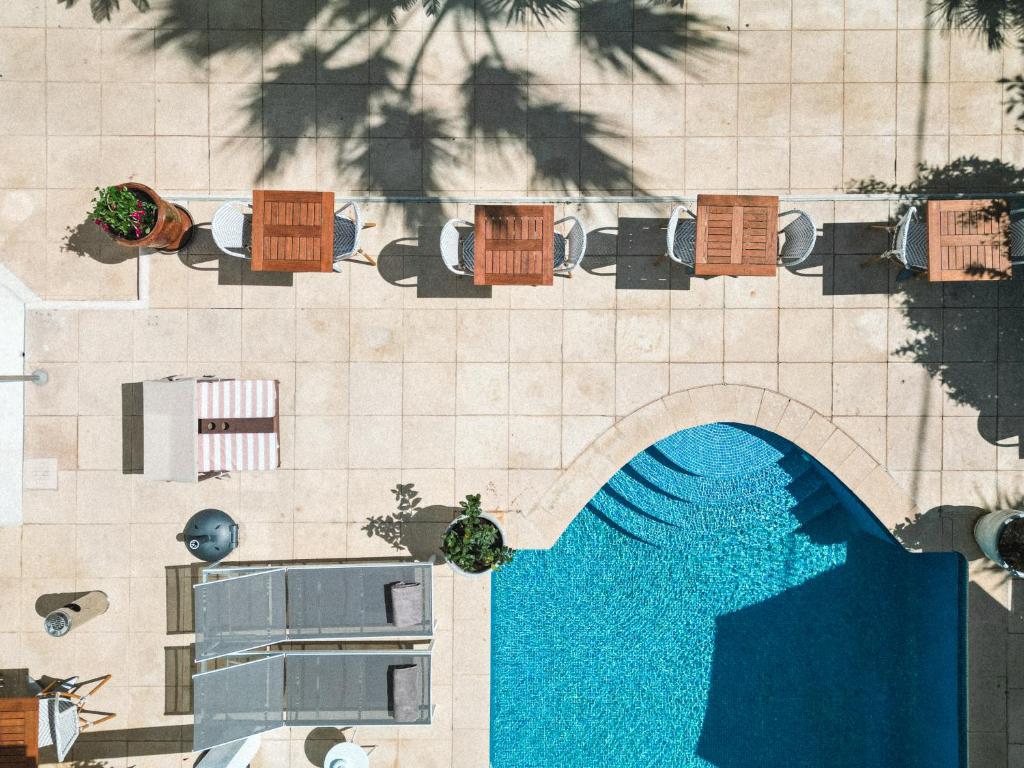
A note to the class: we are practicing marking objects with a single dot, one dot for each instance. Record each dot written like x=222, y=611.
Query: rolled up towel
x=405, y=693
x=406, y=603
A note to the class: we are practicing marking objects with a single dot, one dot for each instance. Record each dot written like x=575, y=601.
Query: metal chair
x=1017, y=237
x=570, y=249
x=801, y=234
x=910, y=243
x=346, y=235
x=62, y=713
x=458, y=257
x=681, y=237
x=232, y=229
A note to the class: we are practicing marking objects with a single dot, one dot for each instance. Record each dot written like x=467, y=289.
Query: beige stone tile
x=22, y=53
x=482, y=388
x=182, y=109
x=762, y=163
x=922, y=56
x=974, y=108
x=914, y=443
x=51, y=335
x=534, y=442
x=766, y=57
x=430, y=335
x=816, y=162
x=23, y=161
x=60, y=395
x=869, y=109
x=764, y=110
x=73, y=55
x=637, y=384
x=106, y=335
x=766, y=14
x=588, y=388
x=588, y=335
x=712, y=109
x=859, y=335
x=183, y=162
x=535, y=335
x=913, y=390
x=642, y=335
x=658, y=163
x=268, y=335
x=22, y=108
x=481, y=441
x=659, y=110
x=535, y=389
x=752, y=374
x=805, y=335
x=810, y=14
x=578, y=432
x=428, y=442
x=216, y=335
x=324, y=442
x=501, y=164
x=322, y=388
x=687, y=375
x=428, y=389
x=375, y=388
x=93, y=554
x=978, y=489
x=869, y=432
x=697, y=335
x=321, y=335
x=483, y=335
x=810, y=383
x=870, y=56
x=818, y=56
x=922, y=108
x=751, y=335
x=52, y=437
x=375, y=441
x=859, y=389
x=718, y=175
x=31, y=13
x=99, y=442
x=972, y=60
x=963, y=445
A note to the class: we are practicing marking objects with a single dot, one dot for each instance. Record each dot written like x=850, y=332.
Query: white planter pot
x=483, y=516
x=988, y=530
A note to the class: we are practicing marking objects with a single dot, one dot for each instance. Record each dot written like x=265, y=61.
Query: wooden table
x=737, y=235
x=514, y=245
x=19, y=730
x=968, y=240
x=292, y=231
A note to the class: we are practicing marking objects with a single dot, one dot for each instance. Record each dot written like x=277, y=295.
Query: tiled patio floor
x=401, y=374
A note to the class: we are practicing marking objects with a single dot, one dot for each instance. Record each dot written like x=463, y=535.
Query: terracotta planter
x=500, y=542
x=173, y=227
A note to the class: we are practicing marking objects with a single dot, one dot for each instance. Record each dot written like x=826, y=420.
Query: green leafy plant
x=120, y=211
x=474, y=543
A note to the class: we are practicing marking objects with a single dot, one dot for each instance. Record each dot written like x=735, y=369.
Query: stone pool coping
x=540, y=526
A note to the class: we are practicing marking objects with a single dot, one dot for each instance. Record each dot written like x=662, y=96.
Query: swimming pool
x=724, y=601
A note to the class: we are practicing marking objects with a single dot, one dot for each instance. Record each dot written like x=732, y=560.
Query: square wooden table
x=737, y=235
x=968, y=240
x=514, y=245
x=292, y=231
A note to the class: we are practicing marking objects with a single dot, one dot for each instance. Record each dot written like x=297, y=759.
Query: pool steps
x=629, y=497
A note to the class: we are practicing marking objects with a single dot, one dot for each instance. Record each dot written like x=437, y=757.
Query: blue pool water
x=724, y=601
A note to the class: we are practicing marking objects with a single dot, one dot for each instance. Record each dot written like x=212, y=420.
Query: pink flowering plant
x=119, y=211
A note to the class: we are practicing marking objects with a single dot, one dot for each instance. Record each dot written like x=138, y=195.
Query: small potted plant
x=474, y=543
x=135, y=215
x=1000, y=534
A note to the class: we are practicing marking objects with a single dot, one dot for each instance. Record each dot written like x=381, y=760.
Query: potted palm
x=1000, y=534
x=135, y=215
x=473, y=543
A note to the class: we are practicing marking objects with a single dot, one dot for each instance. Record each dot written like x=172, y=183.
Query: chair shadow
x=415, y=262
x=132, y=434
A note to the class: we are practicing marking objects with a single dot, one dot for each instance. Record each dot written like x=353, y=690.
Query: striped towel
x=236, y=398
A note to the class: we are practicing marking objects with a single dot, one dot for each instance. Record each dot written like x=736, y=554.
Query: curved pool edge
x=540, y=526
